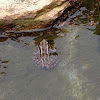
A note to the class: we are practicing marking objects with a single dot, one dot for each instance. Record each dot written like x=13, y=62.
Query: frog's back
x=45, y=58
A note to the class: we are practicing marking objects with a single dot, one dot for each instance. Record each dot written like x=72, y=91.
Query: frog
x=47, y=57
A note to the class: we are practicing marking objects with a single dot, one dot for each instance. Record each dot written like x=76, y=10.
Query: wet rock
x=29, y=14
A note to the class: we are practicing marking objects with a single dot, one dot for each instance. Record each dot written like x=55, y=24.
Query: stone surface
x=19, y=7
x=28, y=14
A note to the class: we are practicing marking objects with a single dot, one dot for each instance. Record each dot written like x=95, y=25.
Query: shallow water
x=76, y=74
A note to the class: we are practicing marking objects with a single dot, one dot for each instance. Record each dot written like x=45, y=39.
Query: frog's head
x=44, y=43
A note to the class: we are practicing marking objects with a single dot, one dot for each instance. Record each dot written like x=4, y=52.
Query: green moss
x=64, y=30
x=5, y=61
x=97, y=30
x=76, y=36
x=49, y=35
x=23, y=23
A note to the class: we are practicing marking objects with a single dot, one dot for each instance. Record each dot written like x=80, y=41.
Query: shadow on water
x=76, y=55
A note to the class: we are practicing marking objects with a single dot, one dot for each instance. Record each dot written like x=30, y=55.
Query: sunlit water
x=76, y=75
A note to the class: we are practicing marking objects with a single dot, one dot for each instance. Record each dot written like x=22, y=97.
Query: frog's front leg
x=40, y=47
x=47, y=49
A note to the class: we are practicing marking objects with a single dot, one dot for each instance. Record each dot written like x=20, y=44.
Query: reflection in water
x=44, y=39
x=89, y=14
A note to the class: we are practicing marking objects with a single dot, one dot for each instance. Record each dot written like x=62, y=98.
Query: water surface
x=75, y=76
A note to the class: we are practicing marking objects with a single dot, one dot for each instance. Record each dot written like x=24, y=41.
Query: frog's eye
x=46, y=43
x=41, y=43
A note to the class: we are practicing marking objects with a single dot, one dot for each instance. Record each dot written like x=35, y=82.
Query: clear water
x=77, y=73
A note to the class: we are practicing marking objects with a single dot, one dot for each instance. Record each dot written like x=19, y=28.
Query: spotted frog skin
x=46, y=58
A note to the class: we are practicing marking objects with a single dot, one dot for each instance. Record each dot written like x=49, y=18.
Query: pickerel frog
x=46, y=58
